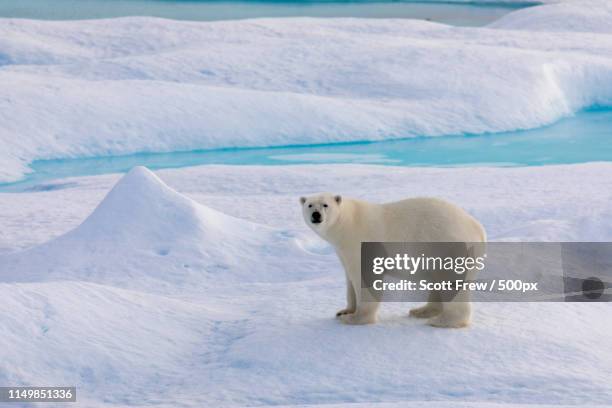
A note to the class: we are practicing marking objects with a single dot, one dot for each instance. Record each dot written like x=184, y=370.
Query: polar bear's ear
x=338, y=199
x=302, y=200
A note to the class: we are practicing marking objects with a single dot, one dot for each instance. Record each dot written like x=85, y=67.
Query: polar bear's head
x=321, y=211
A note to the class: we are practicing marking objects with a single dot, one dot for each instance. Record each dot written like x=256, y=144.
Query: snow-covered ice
x=118, y=86
x=589, y=16
x=157, y=237
x=201, y=287
x=218, y=295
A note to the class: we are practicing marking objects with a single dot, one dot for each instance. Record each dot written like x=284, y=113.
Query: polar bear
x=346, y=223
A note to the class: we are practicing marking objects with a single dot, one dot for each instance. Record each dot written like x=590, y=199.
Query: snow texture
x=206, y=289
x=107, y=87
x=156, y=299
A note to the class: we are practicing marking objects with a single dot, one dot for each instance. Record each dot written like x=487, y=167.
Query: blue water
x=583, y=138
x=474, y=13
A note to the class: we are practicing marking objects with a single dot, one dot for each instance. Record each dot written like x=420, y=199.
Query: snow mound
x=145, y=235
x=581, y=16
x=141, y=208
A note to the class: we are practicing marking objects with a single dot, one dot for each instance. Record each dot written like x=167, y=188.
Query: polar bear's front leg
x=365, y=313
x=351, y=300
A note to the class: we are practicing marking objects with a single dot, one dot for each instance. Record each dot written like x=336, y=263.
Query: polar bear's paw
x=344, y=312
x=355, y=319
x=446, y=322
x=427, y=311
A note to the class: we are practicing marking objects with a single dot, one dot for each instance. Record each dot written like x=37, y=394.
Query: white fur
x=346, y=223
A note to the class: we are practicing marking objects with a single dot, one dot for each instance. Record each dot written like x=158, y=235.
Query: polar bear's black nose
x=316, y=217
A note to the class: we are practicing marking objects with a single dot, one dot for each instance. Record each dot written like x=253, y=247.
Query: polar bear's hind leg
x=431, y=309
x=454, y=315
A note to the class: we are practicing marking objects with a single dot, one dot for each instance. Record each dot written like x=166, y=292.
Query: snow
x=152, y=228
x=578, y=16
x=204, y=288
x=118, y=86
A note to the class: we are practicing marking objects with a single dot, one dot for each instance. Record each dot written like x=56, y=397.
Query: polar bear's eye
x=309, y=205
x=325, y=205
